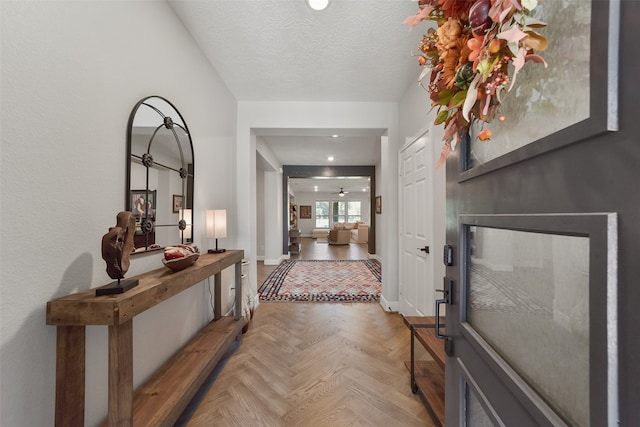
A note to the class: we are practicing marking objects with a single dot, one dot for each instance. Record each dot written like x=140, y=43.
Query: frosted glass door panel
x=528, y=297
x=475, y=415
x=544, y=100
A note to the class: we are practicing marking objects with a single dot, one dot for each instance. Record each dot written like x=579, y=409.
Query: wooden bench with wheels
x=427, y=376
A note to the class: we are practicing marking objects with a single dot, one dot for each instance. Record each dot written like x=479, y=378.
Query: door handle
x=446, y=299
x=438, y=302
x=425, y=249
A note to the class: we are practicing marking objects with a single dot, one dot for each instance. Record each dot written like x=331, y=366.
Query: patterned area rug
x=323, y=281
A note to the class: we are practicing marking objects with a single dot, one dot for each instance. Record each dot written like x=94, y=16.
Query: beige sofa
x=360, y=234
x=320, y=233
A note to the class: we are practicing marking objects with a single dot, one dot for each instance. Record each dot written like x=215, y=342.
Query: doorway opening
x=336, y=210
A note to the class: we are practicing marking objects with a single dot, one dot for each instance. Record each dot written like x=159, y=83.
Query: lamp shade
x=216, y=221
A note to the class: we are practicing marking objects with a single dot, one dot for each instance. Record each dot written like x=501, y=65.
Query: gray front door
x=542, y=221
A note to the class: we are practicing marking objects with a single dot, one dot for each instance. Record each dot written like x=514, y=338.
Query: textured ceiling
x=281, y=50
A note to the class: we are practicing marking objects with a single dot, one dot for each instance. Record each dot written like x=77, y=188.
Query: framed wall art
x=177, y=203
x=143, y=203
x=305, y=212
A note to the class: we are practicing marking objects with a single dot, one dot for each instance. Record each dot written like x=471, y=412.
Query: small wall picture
x=143, y=204
x=305, y=212
x=177, y=203
x=378, y=204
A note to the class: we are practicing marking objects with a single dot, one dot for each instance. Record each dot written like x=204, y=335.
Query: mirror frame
x=148, y=225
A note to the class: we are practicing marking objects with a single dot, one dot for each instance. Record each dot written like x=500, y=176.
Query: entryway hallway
x=317, y=364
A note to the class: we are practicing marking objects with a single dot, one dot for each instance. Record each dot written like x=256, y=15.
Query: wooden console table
x=72, y=313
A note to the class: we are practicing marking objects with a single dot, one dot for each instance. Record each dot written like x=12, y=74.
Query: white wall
x=306, y=226
x=271, y=220
x=71, y=72
x=260, y=223
x=378, y=216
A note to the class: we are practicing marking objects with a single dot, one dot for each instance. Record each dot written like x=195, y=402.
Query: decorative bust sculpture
x=117, y=246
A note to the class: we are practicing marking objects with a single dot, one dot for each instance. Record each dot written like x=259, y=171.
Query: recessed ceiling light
x=335, y=136
x=318, y=4
x=330, y=158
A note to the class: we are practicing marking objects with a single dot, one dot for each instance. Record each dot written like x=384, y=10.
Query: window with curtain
x=339, y=211
x=322, y=214
x=354, y=211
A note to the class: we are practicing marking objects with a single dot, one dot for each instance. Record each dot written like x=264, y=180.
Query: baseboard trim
x=389, y=306
x=260, y=258
x=276, y=261
x=375, y=257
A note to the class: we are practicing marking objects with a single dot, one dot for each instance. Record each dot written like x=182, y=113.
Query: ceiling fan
x=341, y=193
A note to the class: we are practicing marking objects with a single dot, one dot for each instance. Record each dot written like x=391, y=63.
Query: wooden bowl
x=178, y=264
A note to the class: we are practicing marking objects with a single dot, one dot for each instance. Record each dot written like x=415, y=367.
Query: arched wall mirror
x=159, y=175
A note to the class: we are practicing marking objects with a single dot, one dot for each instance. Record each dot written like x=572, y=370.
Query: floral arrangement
x=473, y=58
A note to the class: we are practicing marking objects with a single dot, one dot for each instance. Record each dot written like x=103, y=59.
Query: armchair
x=339, y=237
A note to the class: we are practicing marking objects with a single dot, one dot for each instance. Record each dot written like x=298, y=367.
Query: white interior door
x=416, y=228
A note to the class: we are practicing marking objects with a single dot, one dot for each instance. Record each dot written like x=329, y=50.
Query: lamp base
x=117, y=287
x=216, y=251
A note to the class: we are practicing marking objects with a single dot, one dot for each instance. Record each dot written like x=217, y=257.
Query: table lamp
x=216, y=221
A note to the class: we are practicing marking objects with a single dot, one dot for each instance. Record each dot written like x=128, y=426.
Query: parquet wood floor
x=316, y=364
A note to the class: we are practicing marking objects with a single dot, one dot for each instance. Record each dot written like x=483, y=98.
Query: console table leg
x=238, y=311
x=70, y=371
x=121, y=375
